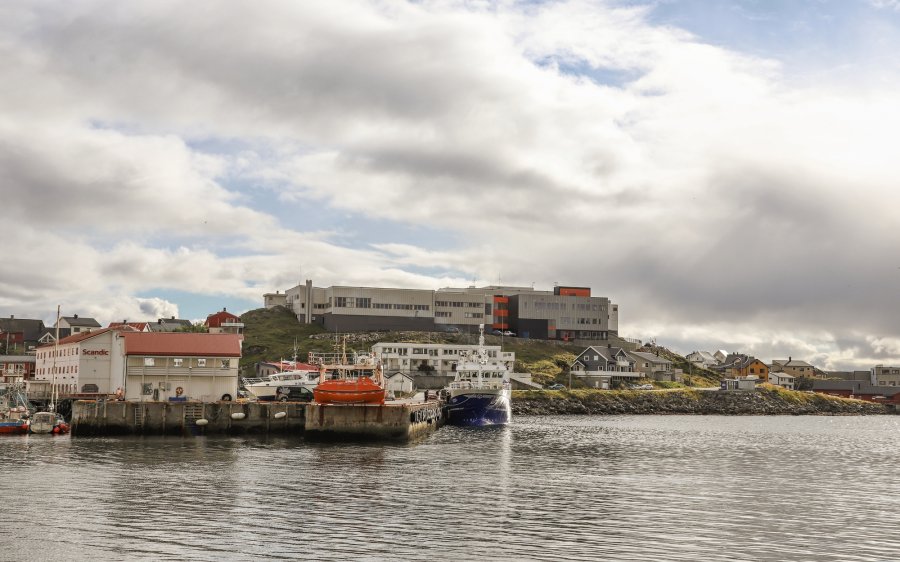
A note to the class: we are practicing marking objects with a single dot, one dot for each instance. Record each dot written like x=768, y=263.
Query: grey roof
x=81, y=322
x=791, y=363
x=169, y=325
x=836, y=385
x=17, y=359
x=707, y=356
x=29, y=327
x=781, y=375
x=63, y=332
x=653, y=358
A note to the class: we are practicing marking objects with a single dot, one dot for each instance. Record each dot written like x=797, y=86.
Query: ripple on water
x=552, y=488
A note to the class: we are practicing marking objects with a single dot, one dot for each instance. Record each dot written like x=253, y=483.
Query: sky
x=723, y=171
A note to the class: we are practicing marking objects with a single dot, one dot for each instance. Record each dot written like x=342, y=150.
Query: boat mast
x=55, y=354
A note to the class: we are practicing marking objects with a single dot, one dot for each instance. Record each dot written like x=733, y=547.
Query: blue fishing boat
x=480, y=394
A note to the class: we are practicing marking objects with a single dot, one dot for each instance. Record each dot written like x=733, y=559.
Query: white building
x=145, y=365
x=88, y=362
x=703, y=359
x=565, y=313
x=433, y=358
x=77, y=325
x=399, y=383
x=191, y=366
x=782, y=379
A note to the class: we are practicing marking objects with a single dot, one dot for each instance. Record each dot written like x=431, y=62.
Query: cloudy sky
x=725, y=171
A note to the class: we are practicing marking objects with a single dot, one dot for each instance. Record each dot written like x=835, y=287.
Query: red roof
x=78, y=337
x=216, y=320
x=139, y=326
x=182, y=343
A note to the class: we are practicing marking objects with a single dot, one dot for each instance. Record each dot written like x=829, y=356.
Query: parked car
x=646, y=387
x=509, y=333
x=294, y=394
x=497, y=333
x=556, y=386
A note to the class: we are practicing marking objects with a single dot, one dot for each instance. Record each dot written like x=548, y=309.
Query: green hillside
x=271, y=334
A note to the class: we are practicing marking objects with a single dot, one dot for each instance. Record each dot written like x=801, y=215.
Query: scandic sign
x=95, y=352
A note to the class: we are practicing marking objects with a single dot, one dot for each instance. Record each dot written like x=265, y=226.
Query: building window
x=149, y=362
x=201, y=362
x=177, y=361
x=226, y=363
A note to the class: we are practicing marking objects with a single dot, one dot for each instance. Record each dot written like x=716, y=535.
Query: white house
x=400, y=383
x=780, y=378
x=703, y=359
x=600, y=367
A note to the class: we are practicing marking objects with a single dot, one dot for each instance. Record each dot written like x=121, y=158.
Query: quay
x=398, y=421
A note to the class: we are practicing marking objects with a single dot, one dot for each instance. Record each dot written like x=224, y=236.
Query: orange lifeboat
x=363, y=390
x=359, y=381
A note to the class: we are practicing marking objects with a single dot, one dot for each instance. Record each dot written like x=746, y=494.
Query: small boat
x=12, y=425
x=480, y=394
x=49, y=422
x=357, y=381
x=13, y=410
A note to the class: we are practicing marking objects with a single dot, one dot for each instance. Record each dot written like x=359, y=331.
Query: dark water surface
x=552, y=488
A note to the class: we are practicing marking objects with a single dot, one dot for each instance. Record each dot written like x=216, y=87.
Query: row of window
x=460, y=304
x=64, y=352
x=432, y=352
x=179, y=362
x=60, y=370
x=541, y=305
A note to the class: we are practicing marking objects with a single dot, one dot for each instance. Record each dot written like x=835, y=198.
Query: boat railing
x=349, y=358
x=247, y=381
x=467, y=385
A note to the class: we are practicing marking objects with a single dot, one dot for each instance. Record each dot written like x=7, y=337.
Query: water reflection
x=672, y=488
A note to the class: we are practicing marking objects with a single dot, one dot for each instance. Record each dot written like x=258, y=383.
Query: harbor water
x=549, y=488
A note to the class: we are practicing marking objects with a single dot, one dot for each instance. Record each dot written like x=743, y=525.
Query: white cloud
x=707, y=191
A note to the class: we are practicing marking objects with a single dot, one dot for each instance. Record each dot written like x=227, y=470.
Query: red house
x=224, y=323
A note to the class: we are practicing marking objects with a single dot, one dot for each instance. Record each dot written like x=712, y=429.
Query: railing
x=629, y=374
x=351, y=357
x=468, y=385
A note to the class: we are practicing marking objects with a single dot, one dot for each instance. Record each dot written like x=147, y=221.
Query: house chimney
x=12, y=316
x=173, y=318
x=76, y=316
x=224, y=309
x=789, y=358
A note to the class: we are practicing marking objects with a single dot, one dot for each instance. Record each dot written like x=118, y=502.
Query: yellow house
x=745, y=366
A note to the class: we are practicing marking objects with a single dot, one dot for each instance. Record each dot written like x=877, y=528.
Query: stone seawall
x=688, y=401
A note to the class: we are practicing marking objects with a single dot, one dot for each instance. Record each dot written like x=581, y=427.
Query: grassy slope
x=269, y=335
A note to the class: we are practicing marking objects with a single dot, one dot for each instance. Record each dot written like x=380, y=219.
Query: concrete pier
x=90, y=417
x=402, y=421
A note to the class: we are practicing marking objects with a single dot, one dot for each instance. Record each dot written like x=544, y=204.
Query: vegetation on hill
x=272, y=334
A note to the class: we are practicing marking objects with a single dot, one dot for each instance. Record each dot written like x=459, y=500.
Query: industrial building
x=565, y=313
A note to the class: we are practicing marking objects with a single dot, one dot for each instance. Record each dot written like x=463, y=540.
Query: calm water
x=554, y=488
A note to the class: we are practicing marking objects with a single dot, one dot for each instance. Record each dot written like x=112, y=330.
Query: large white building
x=565, y=313
x=146, y=366
x=432, y=358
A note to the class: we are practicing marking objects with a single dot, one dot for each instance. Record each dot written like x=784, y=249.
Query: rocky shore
x=765, y=401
